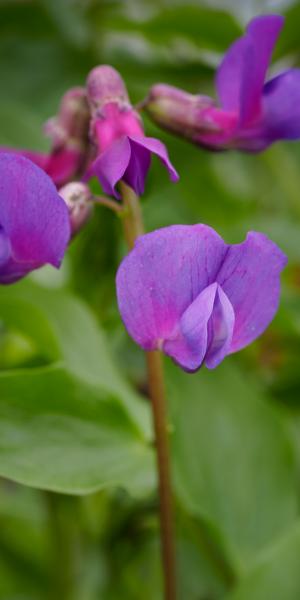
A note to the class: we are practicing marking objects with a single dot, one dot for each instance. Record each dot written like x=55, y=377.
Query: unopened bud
x=180, y=112
x=105, y=84
x=70, y=125
x=111, y=111
x=77, y=197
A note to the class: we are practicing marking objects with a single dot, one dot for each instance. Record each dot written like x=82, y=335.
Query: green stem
x=64, y=545
x=133, y=227
x=112, y=204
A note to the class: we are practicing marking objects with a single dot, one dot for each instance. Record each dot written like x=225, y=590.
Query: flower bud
x=105, y=84
x=77, y=197
x=71, y=123
x=111, y=111
x=194, y=117
x=69, y=133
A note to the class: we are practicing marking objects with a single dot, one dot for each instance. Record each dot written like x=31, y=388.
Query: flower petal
x=240, y=77
x=4, y=248
x=221, y=326
x=162, y=276
x=249, y=277
x=32, y=214
x=111, y=165
x=281, y=100
x=63, y=164
x=129, y=158
x=189, y=347
x=156, y=147
x=38, y=158
x=138, y=167
x=205, y=331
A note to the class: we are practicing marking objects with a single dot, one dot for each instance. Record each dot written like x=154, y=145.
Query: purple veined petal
x=241, y=75
x=163, y=274
x=138, y=167
x=32, y=214
x=221, y=327
x=281, y=101
x=4, y=248
x=111, y=165
x=188, y=348
x=250, y=277
x=156, y=147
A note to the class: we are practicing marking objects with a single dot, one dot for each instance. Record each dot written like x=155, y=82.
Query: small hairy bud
x=72, y=121
x=105, y=84
x=77, y=197
x=180, y=112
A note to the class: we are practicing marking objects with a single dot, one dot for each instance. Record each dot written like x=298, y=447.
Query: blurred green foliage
x=73, y=414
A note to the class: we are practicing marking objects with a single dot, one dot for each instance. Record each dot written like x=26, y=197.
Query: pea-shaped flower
x=34, y=219
x=183, y=290
x=124, y=152
x=251, y=112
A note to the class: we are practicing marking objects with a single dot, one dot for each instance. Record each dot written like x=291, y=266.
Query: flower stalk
x=133, y=227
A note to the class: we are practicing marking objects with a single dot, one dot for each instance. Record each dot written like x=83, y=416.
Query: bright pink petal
x=111, y=165
x=63, y=164
x=249, y=277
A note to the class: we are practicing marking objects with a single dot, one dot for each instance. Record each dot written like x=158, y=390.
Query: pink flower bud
x=123, y=151
x=191, y=116
x=105, y=84
x=77, y=197
x=70, y=125
x=112, y=113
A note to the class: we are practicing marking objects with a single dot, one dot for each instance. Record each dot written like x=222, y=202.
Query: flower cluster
x=182, y=289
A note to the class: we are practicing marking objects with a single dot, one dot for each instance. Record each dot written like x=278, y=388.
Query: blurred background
x=236, y=434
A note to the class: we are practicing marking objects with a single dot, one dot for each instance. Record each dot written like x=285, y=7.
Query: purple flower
x=116, y=130
x=34, y=220
x=252, y=114
x=183, y=290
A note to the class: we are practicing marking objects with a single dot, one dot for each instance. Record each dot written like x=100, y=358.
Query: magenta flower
x=124, y=151
x=183, y=290
x=34, y=220
x=69, y=140
x=252, y=114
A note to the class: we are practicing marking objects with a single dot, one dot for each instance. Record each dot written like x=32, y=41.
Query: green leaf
x=275, y=575
x=70, y=424
x=233, y=461
x=60, y=433
x=64, y=329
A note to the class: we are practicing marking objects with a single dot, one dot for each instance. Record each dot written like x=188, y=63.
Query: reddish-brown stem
x=133, y=227
x=157, y=395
